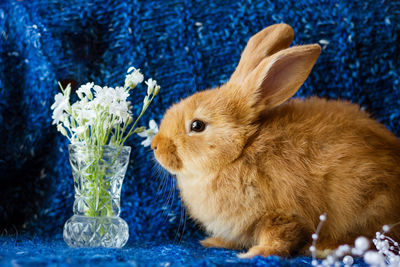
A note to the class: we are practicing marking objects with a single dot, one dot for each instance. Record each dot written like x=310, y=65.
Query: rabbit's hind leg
x=278, y=233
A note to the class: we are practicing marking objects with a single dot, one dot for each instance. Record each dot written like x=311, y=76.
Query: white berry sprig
x=387, y=253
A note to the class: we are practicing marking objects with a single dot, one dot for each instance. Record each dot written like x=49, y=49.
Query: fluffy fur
x=265, y=168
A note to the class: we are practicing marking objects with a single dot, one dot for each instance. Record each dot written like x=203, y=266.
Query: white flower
x=83, y=112
x=133, y=79
x=59, y=106
x=97, y=89
x=79, y=130
x=149, y=133
x=78, y=105
x=88, y=115
x=150, y=85
x=119, y=110
x=101, y=114
x=86, y=89
x=109, y=94
x=59, y=101
x=104, y=96
x=120, y=94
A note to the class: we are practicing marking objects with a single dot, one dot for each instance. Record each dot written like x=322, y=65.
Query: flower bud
x=67, y=91
x=156, y=90
x=61, y=129
x=146, y=99
x=140, y=129
x=129, y=120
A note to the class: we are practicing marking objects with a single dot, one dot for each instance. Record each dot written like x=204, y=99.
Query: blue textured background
x=186, y=46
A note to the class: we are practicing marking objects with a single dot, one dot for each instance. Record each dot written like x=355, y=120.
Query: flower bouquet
x=97, y=125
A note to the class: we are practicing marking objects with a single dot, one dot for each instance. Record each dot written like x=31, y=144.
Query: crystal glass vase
x=98, y=173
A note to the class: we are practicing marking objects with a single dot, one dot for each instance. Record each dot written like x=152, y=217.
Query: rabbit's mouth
x=166, y=154
x=169, y=162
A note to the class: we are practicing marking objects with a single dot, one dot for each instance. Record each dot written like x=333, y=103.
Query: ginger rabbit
x=256, y=168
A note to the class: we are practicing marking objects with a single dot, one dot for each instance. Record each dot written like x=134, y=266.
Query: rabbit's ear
x=278, y=77
x=263, y=44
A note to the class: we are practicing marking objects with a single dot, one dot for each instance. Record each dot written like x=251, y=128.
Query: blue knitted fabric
x=186, y=46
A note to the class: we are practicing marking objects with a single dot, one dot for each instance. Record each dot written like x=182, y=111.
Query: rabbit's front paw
x=216, y=242
x=260, y=251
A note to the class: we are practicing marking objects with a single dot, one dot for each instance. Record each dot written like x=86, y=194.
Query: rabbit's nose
x=154, y=143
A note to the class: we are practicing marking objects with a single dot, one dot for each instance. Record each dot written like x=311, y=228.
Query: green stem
x=134, y=125
x=98, y=195
x=119, y=139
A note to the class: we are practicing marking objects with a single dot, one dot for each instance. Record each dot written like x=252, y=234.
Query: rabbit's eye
x=197, y=126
